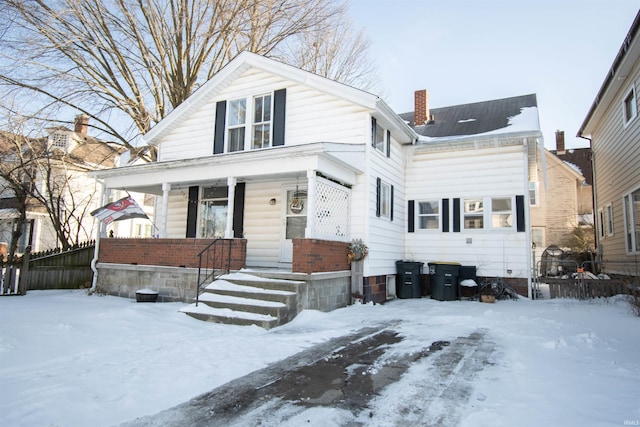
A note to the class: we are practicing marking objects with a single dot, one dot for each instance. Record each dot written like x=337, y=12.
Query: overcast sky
x=465, y=51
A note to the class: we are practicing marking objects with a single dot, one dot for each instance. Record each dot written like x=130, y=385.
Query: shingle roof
x=471, y=119
x=581, y=157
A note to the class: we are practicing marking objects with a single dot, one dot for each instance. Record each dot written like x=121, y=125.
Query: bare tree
x=127, y=64
x=49, y=179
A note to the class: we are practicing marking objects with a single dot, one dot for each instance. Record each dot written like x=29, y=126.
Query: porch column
x=231, y=197
x=106, y=197
x=166, y=187
x=310, y=230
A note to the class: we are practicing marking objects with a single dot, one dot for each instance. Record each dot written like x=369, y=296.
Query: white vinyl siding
x=311, y=116
x=473, y=175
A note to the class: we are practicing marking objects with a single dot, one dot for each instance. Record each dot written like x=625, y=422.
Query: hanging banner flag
x=124, y=208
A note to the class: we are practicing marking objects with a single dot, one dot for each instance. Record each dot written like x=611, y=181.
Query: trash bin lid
x=444, y=263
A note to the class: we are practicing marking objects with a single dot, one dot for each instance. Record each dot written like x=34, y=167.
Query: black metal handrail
x=211, y=260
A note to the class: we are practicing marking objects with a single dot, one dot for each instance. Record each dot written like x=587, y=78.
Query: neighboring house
x=562, y=199
x=294, y=166
x=70, y=155
x=613, y=127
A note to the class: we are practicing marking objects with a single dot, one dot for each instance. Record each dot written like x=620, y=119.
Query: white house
x=275, y=156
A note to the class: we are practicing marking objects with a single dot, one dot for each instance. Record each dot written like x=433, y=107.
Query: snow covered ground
x=69, y=359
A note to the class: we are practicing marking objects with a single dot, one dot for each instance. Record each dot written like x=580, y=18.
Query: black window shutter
x=521, y=226
x=218, y=133
x=411, y=216
x=279, y=116
x=445, y=215
x=378, y=190
x=456, y=215
x=238, y=211
x=388, y=143
x=192, y=211
x=373, y=132
x=391, y=207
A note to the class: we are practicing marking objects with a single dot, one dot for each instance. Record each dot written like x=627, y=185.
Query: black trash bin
x=444, y=280
x=408, y=279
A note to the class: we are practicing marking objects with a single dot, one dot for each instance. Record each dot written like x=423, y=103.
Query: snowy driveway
x=344, y=378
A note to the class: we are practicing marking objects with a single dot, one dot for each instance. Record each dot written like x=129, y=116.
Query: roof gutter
x=609, y=78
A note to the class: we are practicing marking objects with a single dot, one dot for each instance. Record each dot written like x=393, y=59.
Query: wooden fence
x=54, y=269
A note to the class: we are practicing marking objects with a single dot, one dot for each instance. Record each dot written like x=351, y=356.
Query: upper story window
x=629, y=106
x=533, y=193
x=384, y=200
x=236, y=125
x=261, y=122
x=377, y=136
x=259, y=135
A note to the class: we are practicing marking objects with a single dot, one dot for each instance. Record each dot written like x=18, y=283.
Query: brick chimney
x=560, y=142
x=421, y=107
x=81, y=124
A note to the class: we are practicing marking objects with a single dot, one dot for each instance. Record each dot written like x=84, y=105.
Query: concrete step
x=229, y=317
x=243, y=299
x=251, y=305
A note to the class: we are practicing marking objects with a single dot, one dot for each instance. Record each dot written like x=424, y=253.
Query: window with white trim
x=236, y=125
x=631, y=203
x=629, y=106
x=377, y=136
x=501, y=212
x=261, y=122
x=533, y=193
x=429, y=215
x=601, y=221
x=609, y=219
x=385, y=200
x=473, y=214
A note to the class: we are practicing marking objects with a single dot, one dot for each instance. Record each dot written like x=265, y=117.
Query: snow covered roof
x=507, y=115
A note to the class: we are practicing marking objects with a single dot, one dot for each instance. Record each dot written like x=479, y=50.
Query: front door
x=294, y=220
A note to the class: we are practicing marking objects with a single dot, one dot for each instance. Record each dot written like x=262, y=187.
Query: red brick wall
x=314, y=256
x=375, y=289
x=166, y=252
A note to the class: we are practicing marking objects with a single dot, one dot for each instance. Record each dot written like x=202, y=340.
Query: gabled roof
x=247, y=60
x=475, y=118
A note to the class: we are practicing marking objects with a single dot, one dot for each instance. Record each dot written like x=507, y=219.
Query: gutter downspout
x=594, y=195
x=96, y=251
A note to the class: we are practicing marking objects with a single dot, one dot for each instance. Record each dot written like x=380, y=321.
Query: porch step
x=243, y=299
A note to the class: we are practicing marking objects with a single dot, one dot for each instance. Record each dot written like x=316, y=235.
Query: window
x=602, y=222
x=473, y=214
x=632, y=221
x=236, y=128
x=261, y=122
x=377, y=136
x=629, y=109
x=501, y=212
x=212, y=215
x=533, y=193
x=609, y=218
x=60, y=140
x=429, y=215
x=384, y=200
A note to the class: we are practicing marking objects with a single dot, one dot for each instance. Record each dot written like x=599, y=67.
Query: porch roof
x=338, y=161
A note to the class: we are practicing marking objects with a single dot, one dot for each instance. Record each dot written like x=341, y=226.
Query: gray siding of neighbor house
x=616, y=151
